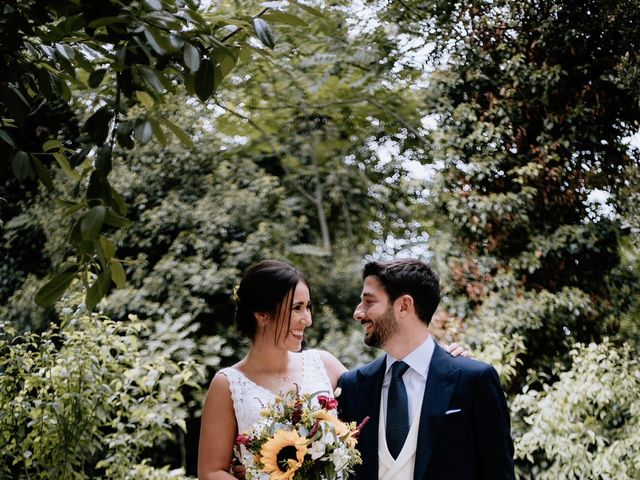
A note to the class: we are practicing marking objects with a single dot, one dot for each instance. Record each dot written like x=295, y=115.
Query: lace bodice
x=249, y=398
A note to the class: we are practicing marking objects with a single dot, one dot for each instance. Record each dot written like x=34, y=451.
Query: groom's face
x=375, y=313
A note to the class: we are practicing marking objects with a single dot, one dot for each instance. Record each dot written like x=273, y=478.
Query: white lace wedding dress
x=249, y=398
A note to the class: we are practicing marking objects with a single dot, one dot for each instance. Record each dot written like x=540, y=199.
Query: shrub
x=88, y=399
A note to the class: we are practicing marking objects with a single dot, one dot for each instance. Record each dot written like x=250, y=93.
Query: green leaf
x=51, y=145
x=101, y=22
x=226, y=62
x=66, y=167
x=176, y=40
x=264, y=32
x=108, y=247
x=98, y=187
x=191, y=57
x=118, y=204
x=204, y=80
x=145, y=99
x=21, y=165
x=117, y=274
x=154, y=40
x=54, y=288
x=143, y=132
x=154, y=4
x=158, y=132
x=97, y=291
x=97, y=125
x=116, y=220
x=245, y=55
x=151, y=76
x=7, y=138
x=284, y=17
x=92, y=223
x=42, y=172
x=308, y=9
x=65, y=51
x=178, y=132
x=96, y=77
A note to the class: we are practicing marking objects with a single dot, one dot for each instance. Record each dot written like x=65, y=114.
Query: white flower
x=340, y=457
x=317, y=449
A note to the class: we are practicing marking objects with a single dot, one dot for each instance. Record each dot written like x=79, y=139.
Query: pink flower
x=243, y=439
x=327, y=403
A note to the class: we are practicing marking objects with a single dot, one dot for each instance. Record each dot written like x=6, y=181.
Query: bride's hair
x=267, y=287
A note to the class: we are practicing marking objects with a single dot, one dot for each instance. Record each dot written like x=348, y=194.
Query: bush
x=587, y=424
x=88, y=399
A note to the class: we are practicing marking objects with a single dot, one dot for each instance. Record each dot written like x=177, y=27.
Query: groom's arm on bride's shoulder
x=456, y=349
x=217, y=431
x=492, y=427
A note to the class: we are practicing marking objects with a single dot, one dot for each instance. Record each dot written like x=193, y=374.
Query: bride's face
x=299, y=319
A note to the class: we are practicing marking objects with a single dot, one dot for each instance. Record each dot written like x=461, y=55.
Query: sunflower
x=283, y=454
x=340, y=427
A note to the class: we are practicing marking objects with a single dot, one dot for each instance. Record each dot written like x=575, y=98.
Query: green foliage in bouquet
x=87, y=399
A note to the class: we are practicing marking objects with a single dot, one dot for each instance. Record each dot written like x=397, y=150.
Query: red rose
x=328, y=403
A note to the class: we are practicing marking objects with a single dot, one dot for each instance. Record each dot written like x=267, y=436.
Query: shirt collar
x=418, y=360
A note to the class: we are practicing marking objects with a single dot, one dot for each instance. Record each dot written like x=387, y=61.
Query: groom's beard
x=383, y=329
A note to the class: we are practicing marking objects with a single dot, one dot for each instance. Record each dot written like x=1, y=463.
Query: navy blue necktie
x=397, y=426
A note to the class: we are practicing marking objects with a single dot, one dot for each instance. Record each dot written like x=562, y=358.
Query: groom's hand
x=456, y=349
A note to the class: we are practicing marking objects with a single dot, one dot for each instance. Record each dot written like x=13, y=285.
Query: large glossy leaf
x=97, y=125
x=308, y=9
x=66, y=166
x=92, y=223
x=42, y=172
x=264, y=32
x=96, y=77
x=107, y=247
x=178, y=132
x=51, y=291
x=21, y=165
x=145, y=99
x=158, y=132
x=284, y=17
x=204, y=80
x=117, y=274
x=5, y=137
x=116, y=220
x=152, y=78
x=191, y=57
x=99, y=187
x=98, y=289
x=143, y=132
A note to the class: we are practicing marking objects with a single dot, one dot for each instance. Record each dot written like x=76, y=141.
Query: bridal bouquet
x=300, y=437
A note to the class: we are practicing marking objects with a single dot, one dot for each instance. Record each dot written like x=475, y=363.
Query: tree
x=116, y=61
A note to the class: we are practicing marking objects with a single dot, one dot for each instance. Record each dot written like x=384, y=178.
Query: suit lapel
x=441, y=382
x=370, y=378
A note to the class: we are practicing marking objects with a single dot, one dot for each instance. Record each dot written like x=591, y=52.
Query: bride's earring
x=263, y=319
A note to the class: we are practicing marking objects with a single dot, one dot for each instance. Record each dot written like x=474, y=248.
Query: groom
x=432, y=416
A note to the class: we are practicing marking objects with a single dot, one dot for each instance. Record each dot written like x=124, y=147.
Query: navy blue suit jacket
x=473, y=443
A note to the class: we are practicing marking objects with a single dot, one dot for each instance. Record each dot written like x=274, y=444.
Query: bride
x=273, y=309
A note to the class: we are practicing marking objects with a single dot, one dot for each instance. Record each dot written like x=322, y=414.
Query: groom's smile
x=375, y=313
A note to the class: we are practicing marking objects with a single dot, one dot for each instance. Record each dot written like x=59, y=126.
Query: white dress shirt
x=415, y=378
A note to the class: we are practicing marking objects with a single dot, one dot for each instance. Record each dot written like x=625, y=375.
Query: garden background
x=152, y=150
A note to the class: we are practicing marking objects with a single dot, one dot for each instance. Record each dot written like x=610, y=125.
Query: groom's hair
x=408, y=277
